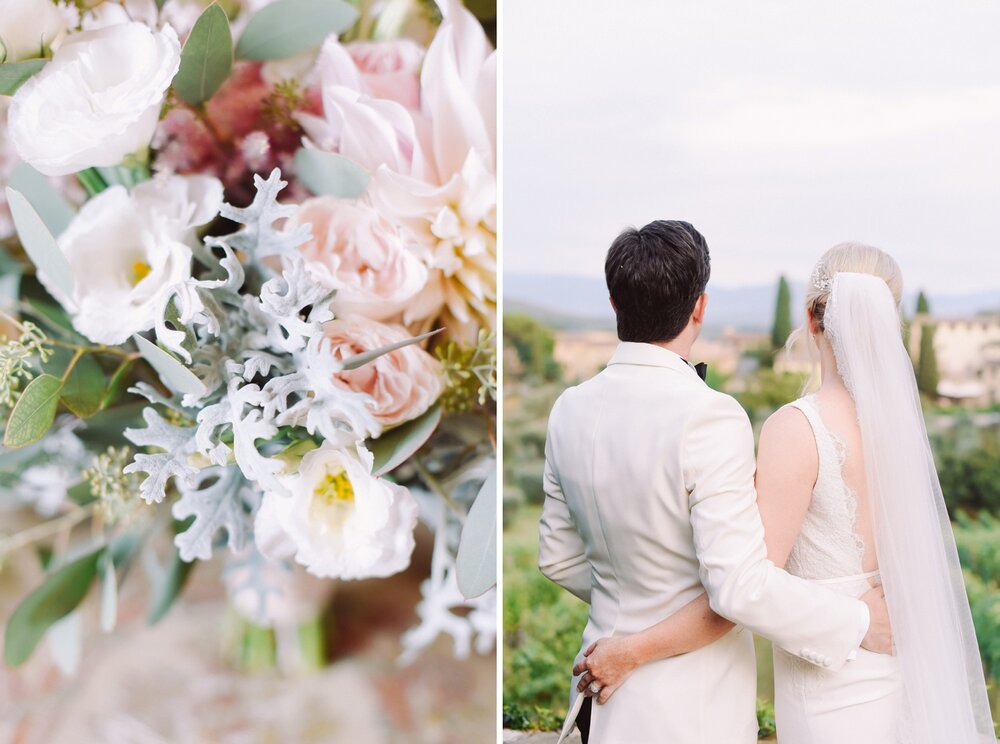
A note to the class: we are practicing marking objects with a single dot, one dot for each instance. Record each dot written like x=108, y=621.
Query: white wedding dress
x=932, y=691
x=859, y=704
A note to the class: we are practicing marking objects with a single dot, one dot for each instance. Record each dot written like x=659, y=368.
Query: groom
x=650, y=502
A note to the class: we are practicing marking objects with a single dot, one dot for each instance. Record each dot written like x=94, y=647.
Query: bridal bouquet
x=248, y=297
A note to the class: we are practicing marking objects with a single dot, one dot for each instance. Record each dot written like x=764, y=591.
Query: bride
x=850, y=499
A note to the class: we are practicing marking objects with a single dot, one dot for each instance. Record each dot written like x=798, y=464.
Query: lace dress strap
x=828, y=446
x=828, y=545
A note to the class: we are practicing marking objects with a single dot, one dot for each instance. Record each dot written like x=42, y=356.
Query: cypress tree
x=927, y=369
x=923, y=306
x=782, y=327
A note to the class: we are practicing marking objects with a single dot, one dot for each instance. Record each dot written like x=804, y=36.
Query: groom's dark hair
x=655, y=275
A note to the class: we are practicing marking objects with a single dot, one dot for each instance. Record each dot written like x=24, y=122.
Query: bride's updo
x=854, y=257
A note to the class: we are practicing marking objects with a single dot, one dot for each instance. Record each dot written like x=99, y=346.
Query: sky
x=777, y=128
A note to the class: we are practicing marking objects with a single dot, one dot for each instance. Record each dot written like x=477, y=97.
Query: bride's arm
x=787, y=463
x=609, y=661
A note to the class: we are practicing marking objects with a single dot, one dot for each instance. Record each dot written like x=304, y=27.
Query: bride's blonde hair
x=854, y=257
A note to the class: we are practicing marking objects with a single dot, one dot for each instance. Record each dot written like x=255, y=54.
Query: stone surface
x=538, y=737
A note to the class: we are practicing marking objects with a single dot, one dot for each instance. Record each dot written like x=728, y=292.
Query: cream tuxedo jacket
x=649, y=502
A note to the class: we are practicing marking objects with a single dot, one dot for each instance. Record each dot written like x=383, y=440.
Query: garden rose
x=360, y=254
x=29, y=27
x=339, y=521
x=403, y=383
x=389, y=69
x=97, y=101
x=127, y=250
x=380, y=69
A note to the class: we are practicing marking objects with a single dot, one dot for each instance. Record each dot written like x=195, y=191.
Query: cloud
x=778, y=128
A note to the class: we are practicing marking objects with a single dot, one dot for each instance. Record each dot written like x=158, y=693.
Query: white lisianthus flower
x=97, y=101
x=127, y=250
x=339, y=521
x=29, y=27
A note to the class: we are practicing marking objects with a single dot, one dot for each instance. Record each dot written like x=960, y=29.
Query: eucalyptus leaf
x=169, y=586
x=397, y=445
x=207, y=57
x=117, y=383
x=65, y=639
x=477, y=549
x=15, y=74
x=34, y=412
x=172, y=371
x=58, y=595
x=83, y=391
x=393, y=18
x=38, y=242
x=14, y=461
x=55, y=211
x=359, y=360
x=10, y=281
x=81, y=494
x=109, y=593
x=329, y=174
x=287, y=27
x=54, y=318
x=123, y=551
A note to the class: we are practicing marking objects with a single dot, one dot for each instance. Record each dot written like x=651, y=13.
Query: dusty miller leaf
x=177, y=445
x=217, y=500
x=259, y=238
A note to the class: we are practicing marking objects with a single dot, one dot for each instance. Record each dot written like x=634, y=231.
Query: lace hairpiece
x=822, y=279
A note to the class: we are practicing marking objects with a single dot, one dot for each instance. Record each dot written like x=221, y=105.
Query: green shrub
x=542, y=627
x=970, y=474
x=526, y=476
x=765, y=719
x=534, y=345
x=978, y=542
x=766, y=391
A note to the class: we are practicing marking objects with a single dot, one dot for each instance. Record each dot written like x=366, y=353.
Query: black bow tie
x=702, y=369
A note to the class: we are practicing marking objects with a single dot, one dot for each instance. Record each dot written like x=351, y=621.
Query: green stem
x=259, y=652
x=312, y=644
x=92, y=181
x=435, y=485
x=72, y=363
x=41, y=531
x=83, y=348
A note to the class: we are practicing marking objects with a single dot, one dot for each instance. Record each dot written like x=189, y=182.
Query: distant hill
x=577, y=302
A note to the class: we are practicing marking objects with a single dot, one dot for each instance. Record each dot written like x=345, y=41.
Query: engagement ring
x=594, y=687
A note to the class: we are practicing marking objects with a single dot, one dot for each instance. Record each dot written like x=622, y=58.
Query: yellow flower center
x=332, y=502
x=334, y=489
x=140, y=270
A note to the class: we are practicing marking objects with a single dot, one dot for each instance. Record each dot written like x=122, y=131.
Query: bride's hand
x=879, y=636
x=608, y=662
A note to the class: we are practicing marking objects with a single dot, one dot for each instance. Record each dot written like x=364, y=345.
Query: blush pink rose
x=359, y=253
x=390, y=69
x=403, y=383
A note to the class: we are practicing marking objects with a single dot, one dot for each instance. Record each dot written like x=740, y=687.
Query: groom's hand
x=879, y=636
